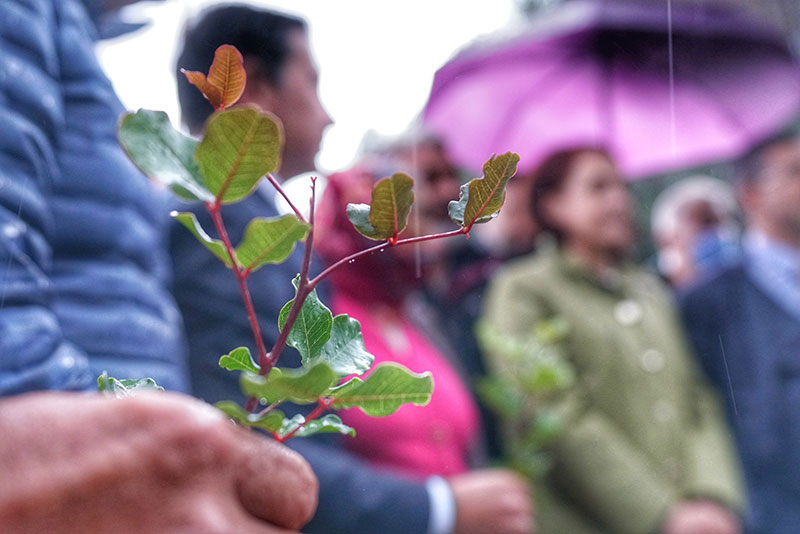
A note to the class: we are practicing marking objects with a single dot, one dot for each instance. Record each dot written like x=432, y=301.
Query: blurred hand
x=701, y=517
x=160, y=463
x=492, y=501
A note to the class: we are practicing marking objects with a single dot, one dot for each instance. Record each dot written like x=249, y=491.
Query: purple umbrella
x=601, y=73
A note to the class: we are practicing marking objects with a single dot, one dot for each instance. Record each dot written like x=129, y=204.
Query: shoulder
x=715, y=287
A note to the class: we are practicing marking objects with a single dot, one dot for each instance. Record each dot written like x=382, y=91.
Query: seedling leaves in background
x=271, y=421
x=482, y=198
x=239, y=359
x=302, y=385
x=387, y=388
x=387, y=215
x=189, y=220
x=345, y=352
x=270, y=240
x=163, y=153
x=226, y=78
x=125, y=388
x=240, y=146
x=313, y=326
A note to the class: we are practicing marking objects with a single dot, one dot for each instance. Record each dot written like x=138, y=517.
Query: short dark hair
x=257, y=33
x=750, y=165
x=549, y=179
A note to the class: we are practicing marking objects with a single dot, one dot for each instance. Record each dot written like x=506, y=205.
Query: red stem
x=324, y=404
x=431, y=237
x=241, y=278
x=303, y=287
x=280, y=190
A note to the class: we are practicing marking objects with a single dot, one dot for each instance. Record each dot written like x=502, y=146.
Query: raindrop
x=352, y=261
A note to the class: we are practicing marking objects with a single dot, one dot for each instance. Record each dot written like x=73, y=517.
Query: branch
x=241, y=278
x=386, y=244
x=280, y=190
x=303, y=288
x=324, y=404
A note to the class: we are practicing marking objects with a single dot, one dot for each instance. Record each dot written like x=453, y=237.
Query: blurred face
x=296, y=103
x=436, y=183
x=773, y=199
x=593, y=207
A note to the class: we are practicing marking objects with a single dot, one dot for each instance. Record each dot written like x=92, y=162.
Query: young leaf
x=270, y=240
x=482, y=198
x=302, y=386
x=387, y=388
x=325, y=424
x=345, y=352
x=387, y=215
x=163, y=153
x=189, y=220
x=125, y=388
x=313, y=326
x=271, y=421
x=226, y=78
x=240, y=146
x=239, y=359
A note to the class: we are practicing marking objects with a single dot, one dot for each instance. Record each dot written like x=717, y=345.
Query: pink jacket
x=416, y=440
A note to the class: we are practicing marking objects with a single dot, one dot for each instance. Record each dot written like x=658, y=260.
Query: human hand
x=492, y=501
x=158, y=463
x=701, y=517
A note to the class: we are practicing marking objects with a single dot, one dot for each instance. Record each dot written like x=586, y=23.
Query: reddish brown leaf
x=227, y=74
x=198, y=79
x=226, y=78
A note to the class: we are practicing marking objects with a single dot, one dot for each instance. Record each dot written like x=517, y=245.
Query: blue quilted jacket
x=83, y=269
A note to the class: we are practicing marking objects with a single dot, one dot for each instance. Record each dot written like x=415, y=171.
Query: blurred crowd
x=683, y=415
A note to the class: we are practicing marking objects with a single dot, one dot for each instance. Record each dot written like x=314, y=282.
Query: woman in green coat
x=643, y=447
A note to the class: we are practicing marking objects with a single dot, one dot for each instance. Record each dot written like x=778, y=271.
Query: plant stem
x=214, y=209
x=303, y=287
x=324, y=404
x=280, y=190
x=386, y=244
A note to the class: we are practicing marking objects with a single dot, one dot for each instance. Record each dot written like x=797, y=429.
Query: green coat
x=641, y=428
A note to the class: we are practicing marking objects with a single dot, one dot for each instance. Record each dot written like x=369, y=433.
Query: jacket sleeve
x=355, y=497
x=33, y=352
x=611, y=480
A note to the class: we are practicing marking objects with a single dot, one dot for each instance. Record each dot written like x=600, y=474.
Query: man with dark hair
x=353, y=496
x=745, y=325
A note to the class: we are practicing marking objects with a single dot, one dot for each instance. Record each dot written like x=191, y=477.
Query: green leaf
x=482, y=198
x=239, y=359
x=313, y=326
x=327, y=424
x=270, y=240
x=387, y=214
x=345, y=352
x=387, y=388
x=302, y=386
x=125, y=388
x=271, y=421
x=189, y=220
x=240, y=146
x=163, y=153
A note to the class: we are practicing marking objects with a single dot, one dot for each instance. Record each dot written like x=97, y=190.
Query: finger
x=275, y=483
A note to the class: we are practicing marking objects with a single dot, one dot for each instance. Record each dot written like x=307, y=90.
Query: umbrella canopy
x=611, y=74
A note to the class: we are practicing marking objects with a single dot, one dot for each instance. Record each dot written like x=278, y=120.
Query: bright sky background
x=376, y=58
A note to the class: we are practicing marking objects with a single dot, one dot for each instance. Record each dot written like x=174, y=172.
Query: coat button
x=628, y=312
x=652, y=361
x=663, y=411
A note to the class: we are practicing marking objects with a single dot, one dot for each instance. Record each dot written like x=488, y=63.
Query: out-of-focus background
x=376, y=59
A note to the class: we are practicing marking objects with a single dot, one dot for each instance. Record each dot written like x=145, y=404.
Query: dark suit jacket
x=750, y=348
x=353, y=497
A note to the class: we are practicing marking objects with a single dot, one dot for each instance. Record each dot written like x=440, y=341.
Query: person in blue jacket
x=83, y=274
x=745, y=325
x=354, y=497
